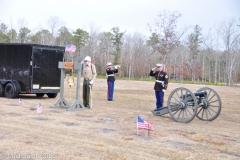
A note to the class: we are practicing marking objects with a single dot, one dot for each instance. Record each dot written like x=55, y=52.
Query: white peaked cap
x=159, y=65
x=87, y=58
x=109, y=63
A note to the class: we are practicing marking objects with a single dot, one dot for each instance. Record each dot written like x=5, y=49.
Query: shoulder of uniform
x=93, y=65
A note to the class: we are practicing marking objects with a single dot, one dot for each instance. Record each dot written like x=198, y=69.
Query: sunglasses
x=85, y=61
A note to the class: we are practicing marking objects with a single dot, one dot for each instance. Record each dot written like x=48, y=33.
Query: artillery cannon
x=183, y=105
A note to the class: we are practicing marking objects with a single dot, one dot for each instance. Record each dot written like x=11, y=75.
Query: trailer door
x=45, y=71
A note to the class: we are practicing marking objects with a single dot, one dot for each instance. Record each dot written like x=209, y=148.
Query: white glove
x=163, y=90
x=91, y=82
x=153, y=68
x=117, y=67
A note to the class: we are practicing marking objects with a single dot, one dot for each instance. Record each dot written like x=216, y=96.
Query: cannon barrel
x=196, y=94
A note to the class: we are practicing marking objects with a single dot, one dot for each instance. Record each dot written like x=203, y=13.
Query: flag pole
x=137, y=126
x=148, y=130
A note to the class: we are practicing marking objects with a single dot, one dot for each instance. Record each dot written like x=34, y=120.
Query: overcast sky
x=129, y=15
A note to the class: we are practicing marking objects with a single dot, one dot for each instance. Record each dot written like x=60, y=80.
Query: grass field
x=108, y=130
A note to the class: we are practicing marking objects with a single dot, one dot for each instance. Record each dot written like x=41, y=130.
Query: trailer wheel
x=1, y=90
x=10, y=91
x=52, y=95
x=40, y=94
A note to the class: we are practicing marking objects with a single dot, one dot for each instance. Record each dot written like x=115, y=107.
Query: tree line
x=187, y=54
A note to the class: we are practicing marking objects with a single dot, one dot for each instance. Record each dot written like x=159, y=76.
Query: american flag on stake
x=39, y=108
x=142, y=124
x=70, y=48
x=21, y=101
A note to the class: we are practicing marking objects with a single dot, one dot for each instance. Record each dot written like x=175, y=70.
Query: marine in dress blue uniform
x=110, y=80
x=161, y=84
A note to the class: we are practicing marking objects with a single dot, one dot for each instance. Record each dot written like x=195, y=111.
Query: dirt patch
x=108, y=130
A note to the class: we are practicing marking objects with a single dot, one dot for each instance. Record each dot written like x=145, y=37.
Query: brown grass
x=108, y=131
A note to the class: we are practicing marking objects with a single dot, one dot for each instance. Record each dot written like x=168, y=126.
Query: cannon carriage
x=183, y=105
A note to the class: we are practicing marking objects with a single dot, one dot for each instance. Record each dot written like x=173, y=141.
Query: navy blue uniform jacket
x=160, y=76
x=109, y=72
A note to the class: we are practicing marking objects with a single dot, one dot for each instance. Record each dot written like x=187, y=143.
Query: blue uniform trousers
x=110, y=90
x=159, y=99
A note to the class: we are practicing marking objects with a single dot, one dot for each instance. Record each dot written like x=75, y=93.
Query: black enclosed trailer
x=30, y=69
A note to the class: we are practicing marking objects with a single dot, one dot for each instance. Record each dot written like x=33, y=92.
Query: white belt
x=110, y=74
x=159, y=81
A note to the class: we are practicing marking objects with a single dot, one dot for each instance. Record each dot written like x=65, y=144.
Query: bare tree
x=211, y=53
x=164, y=38
x=93, y=48
x=106, y=45
x=230, y=33
x=22, y=23
x=54, y=23
x=135, y=56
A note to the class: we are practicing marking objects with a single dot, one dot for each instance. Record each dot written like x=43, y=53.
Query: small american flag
x=70, y=48
x=142, y=124
x=21, y=101
x=39, y=108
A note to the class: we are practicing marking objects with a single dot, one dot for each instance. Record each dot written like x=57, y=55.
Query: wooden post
x=148, y=130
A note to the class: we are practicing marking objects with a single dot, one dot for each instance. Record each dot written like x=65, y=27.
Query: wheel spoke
x=175, y=112
x=182, y=105
x=188, y=98
x=211, y=98
x=189, y=112
x=206, y=113
x=214, y=106
x=212, y=110
x=186, y=113
x=179, y=113
x=203, y=112
x=175, y=108
x=175, y=99
x=214, y=101
x=178, y=95
x=209, y=113
x=208, y=93
x=200, y=110
x=173, y=104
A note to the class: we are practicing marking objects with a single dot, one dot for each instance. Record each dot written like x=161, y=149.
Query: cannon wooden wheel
x=182, y=105
x=209, y=106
